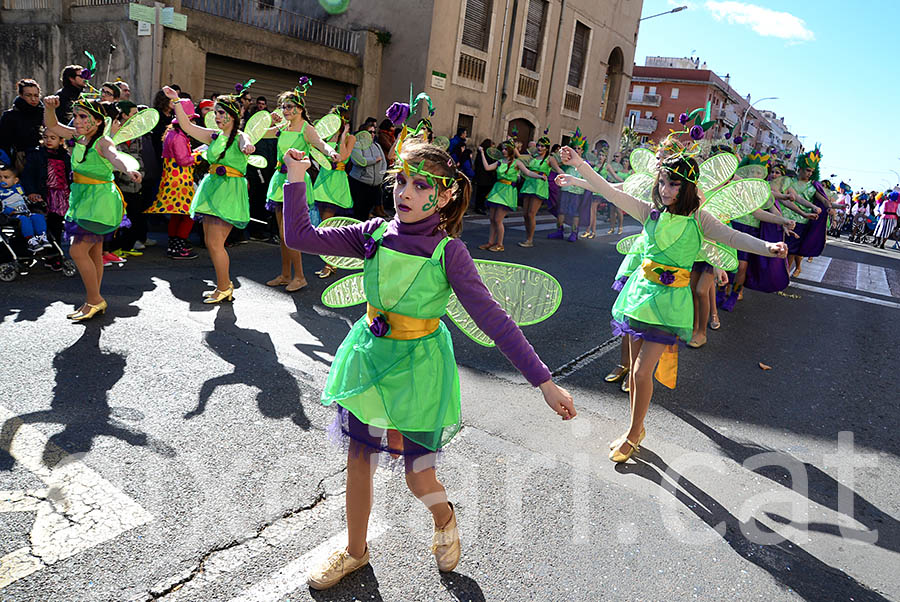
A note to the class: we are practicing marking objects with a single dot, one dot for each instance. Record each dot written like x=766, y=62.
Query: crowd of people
x=90, y=165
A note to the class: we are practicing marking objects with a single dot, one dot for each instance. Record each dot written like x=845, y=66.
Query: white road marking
x=292, y=576
x=79, y=509
x=872, y=279
x=815, y=270
x=855, y=297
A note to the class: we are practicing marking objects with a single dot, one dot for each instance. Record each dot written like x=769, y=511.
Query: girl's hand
x=276, y=118
x=248, y=149
x=170, y=93
x=134, y=175
x=789, y=231
x=563, y=180
x=51, y=102
x=570, y=157
x=777, y=249
x=721, y=277
x=810, y=215
x=818, y=210
x=559, y=400
x=297, y=159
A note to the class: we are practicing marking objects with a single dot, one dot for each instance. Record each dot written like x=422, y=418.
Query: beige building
x=491, y=65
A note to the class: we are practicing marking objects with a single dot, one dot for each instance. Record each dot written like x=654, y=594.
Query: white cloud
x=762, y=20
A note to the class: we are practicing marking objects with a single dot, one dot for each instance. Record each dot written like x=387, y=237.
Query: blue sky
x=833, y=66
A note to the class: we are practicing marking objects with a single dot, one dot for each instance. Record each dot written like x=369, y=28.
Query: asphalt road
x=176, y=451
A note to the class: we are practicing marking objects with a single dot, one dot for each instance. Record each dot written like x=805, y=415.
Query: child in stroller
x=32, y=225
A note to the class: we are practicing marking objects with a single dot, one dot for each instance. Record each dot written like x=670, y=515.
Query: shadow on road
x=84, y=376
x=360, y=585
x=810, y=578
x=462, y=588
x=823, y=489
x=256, y=364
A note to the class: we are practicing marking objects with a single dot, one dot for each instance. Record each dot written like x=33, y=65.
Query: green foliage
x=383, y=37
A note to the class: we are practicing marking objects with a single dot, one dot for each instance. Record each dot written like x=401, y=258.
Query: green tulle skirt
x=276, y=188
x=643, y=303
x=411, y=386
x=536, y=186
x=503, y=194
x=97, y=208
x=332, y=186
x=224, y=197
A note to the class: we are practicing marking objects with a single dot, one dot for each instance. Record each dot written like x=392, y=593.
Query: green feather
x=93, y=61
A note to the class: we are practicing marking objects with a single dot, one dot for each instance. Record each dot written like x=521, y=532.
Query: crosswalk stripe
x=872, y=279
x=846, y=295
x=815, y=270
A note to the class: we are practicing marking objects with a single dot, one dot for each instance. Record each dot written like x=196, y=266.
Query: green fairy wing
x=629, y=243
x=136, y=126
x=494, y=154
x=281, y=124
x=719, y=255
x=442, y=142
x=257, y=126
x=737, y=199
x=209, y=121
x=317, y=156
x=716, y=170
x=640, y=186
x=751, y=171
x=257, y=161
x=642, y=160
x=346, y=292
x=348, y=263
x=328, y=126
x=527, y=294
x=363, y=140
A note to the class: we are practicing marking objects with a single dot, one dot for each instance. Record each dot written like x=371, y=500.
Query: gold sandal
x=617, y=374
x=218, y=296
x=618, y=457
x=81, y=316
x=327, y=272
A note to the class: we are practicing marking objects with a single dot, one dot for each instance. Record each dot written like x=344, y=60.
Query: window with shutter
x=477, y=24
x=534, y=33
x=579, y=54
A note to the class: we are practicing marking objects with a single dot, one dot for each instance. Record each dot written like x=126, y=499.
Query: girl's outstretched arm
x=596, y=183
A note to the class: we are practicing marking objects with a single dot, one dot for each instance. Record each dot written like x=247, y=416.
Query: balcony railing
x=652, y=100
x=278, y=20
x=729, y=116
x=471, y=68
x=25, y=4
x=528, y=87
x=572, y=102
x=645, y=126
x=750, y=130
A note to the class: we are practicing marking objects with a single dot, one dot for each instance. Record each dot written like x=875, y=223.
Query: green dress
x=603, y=174
x=538, y=187
x=222, y=195
x=630, y=263
x=98, y=208
x=572, y=171
x=804, y=189
x=332, y=185
x=643, y=305
x=504, y=190
x=408, y=385
x=287, y=140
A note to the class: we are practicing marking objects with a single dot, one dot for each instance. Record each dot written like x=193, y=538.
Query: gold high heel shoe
x=215, y=290
x=615, y=376
x=618, y=457
x=93, y=310
x=618, y=442
x=327, y=272
x=218, y=296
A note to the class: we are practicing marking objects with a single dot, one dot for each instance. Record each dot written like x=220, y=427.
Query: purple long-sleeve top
x=420, y=239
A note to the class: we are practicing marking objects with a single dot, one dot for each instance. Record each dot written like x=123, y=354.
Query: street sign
x=438, y=80
x=139, y=12
x=168, y=17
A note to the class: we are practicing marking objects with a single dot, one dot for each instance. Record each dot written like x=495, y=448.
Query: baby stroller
x=18, y=260
x=837, y=224
x=861, y=229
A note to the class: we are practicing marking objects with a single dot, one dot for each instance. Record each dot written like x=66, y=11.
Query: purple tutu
x=701, y=267
x=350, y=433
x=767, y=274
x=645, y=332
x=74, y=233
x=274, y=206
x=619, y=284
x=812, y=241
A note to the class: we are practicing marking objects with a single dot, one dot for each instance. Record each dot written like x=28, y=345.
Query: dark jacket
x=34, y=178
x=67, y=95
x=20, y=127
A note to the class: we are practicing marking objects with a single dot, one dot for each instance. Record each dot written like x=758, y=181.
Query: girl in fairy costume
x=536, y=191
x=654, y=308
x=396, y=368
x=299, y=134
x=570, y=196
x=600, y=166
x=96, y=204
x=811, y=225
x=503, y=197
x=221, y=198
x=332, y=188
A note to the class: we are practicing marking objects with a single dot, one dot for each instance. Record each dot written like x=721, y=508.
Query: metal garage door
x=222, y=73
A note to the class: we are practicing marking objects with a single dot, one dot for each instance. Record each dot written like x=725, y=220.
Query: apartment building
x=665, y=87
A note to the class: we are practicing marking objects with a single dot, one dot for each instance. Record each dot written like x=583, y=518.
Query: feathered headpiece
x=755, y=159
x=545, y=139
x=811, y=160
x=89, y=103
x=232, y=102
x=88, y=72
x=298, y=94
x=578, y=140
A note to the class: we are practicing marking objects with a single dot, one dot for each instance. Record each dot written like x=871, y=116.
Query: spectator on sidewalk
x=484, y=180
x=72, y=87
x=366, y=176
x=20, y=125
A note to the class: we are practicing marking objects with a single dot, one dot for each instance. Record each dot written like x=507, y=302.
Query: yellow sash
x=665, y=274
x=229, y=171
x=83, y=179
x=340, y=166
x=507, y=182
x=404, y=328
